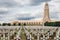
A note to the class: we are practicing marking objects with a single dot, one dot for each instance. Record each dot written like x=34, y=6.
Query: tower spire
x=46, y=13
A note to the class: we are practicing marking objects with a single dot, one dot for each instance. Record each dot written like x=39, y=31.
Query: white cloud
x=23, y=2
x=33, y=12
x=3, y=9
x=55, y=9
x=30, y=2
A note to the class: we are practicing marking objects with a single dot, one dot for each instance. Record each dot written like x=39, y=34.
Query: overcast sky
x=27, y=9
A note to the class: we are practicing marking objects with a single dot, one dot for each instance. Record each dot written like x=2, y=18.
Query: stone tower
x=46, y=13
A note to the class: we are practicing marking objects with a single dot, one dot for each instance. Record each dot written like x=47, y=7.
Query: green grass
x=23, y=36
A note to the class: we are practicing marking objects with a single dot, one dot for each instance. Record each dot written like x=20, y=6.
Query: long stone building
x=36, y=22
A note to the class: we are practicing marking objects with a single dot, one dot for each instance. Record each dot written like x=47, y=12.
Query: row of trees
x=14, y=24
x=52, y=23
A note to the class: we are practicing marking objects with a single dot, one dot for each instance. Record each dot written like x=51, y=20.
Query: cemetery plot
x=29, y=33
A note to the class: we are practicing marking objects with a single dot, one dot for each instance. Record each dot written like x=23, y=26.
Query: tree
x=0, y=24
x=9, y=24
x=52, y=23
x=57, y=24
x=49, y=23
x=4, y=24
x=45, y=24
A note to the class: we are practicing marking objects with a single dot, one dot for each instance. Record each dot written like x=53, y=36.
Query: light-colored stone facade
x=28, y=22
x=46, y=13
x=36, y=22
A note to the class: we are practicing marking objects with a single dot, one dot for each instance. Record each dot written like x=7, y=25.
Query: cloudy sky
x=27, y=9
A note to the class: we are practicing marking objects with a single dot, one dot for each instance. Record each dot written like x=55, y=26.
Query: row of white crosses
x=57, y=35
x=13, y=31
x=38, y=32
x=18, y=34
x=52, y=30
x=29, y=36
x=3, y=32
x=43, y=31
x=9, y=31
x=34, y=32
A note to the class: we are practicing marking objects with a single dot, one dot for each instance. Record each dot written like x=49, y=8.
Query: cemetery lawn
x=23, y=36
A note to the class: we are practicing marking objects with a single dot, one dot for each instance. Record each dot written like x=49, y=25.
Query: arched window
x=24, y=24
x=19, y=24
x=14, y=24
